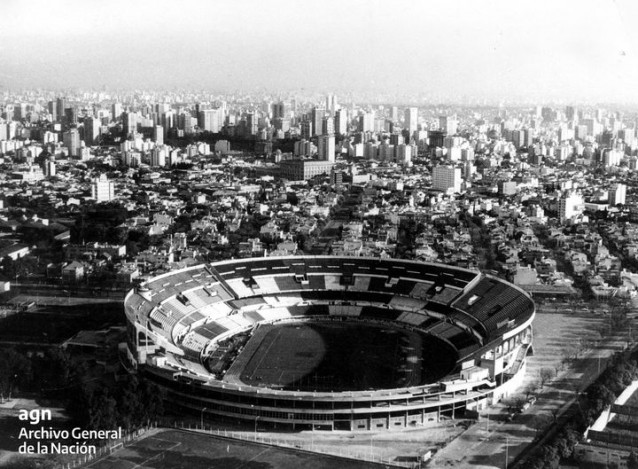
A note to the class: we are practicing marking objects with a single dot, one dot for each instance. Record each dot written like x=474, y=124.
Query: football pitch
x=342, y=356
x=174, y=449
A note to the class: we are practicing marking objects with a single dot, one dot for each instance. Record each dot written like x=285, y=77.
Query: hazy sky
x=579, y=50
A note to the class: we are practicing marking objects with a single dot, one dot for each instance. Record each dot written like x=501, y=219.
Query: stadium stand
x=198, y=319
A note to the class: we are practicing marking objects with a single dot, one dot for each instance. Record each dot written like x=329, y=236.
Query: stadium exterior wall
x=498, y=359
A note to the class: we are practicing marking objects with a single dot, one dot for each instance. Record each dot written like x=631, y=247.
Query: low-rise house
x=73, y=272
x=15, y=251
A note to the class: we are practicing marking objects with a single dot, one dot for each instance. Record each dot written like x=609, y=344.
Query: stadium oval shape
x=186, y=330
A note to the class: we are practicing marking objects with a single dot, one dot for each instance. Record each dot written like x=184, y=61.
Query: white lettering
x=34, y=416
x=80, y=434
x=26, y=449
x=77, y=448
x=43, y=434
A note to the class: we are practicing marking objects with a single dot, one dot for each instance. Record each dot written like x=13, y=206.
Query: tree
x=540, y=422
x=632, y=461
x=153, y=397
x=78, y=404
x=600, y=396
x=546, y=375
x=565, y=358
x=129, y=405
x=19, y=268
x=102, y=410
x=531, y=388
x=15, y=371
x=618, y=319
x=517, y=402
x=566, y=441
x=549, y=455
x=139, y=403
x=54, y=370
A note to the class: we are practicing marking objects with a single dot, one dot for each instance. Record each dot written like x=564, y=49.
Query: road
x=488, y=443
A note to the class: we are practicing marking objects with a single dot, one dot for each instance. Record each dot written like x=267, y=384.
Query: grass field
x=172, y=449
x=343, y=356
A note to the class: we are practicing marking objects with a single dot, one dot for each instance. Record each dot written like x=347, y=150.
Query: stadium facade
x=183, y=330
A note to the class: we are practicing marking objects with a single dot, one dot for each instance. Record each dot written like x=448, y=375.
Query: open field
x=342, y=356
x=173, y=449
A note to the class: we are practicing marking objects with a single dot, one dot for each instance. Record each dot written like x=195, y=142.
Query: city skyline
x=573, y=51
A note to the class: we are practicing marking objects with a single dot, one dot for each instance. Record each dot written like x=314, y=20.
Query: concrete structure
x=176, y=322
x=570, y=206
x=158, y=134
x=102, y=190
x=411, y=119
x=446, y=178
x=91, y=130
x=341, y=122
x=326, y=148
x=448, y=124
x=299, y=170
x=617, y=194
x=129, y=123
x=210, y=120
x=71, y=140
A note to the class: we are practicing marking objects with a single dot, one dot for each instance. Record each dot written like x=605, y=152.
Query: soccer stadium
x=330, y=343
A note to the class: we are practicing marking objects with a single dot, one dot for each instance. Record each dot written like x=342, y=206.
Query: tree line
x=91, y=402
x=600, y=395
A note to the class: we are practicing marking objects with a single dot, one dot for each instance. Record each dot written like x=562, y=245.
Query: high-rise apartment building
x=102, y=190
x=446, y=178
x=617, y=194
x=448, y=124
x=53, y=110
x=60, y=106
x=331, y=104
x=317, y=116
x=280, y=110
x=71, y=115
x=116, y=111
x=158, y=156
x=327, y=126
x=91, y=130
x=571, y=113
x=158, y=134
x=570, y=206
x=394, y=114
x=341, y=122
x=326, y=148
x=366, y=122
x=404, y=153
x=304, y=147
x=49, y=167
x=129, y=123
x=306, y=129
x=252, y=123
x=168, y=120
x=210, y=120
x=411, y=119
x=71, y=140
